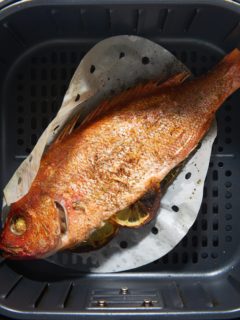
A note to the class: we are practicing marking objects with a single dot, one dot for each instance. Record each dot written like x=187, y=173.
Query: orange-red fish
x=121, y=151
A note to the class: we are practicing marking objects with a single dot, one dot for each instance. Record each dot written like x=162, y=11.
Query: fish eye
x=18, y=225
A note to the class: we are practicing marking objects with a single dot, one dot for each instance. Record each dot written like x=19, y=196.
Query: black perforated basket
x=41, y=44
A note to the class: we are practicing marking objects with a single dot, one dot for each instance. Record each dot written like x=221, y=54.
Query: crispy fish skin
x=115, y=157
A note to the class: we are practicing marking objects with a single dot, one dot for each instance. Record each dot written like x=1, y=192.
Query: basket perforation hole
x=193, y=56
x=228, y=140
x=204, y=241
x=228, y=129
x=33, y=74
x=33, y=107
x=228, y=206
x=28, y=150
x=228, y=227
x=228, y=173
x=183, y=56
x=204, y=208
x=228, y=216
x=123, y=244
x=203, y=70
x=154, y=230
x=175, y=258
x=33, y=91
x=228, y=195
x=44, y=74
x=194, y=257
x=228, y=118
x=63, y=74
x=20, y=109
x=44, y=91
x=73, y=57
x=214, y=255
x=228, y=184
x=20, y=120
x=33, y=123
x=63, y=57
x=44, y=59
x=215, y=241
x=53, y=90
x=215, y=192
x=213, y=58
x=194, y=71
x=34, y=60
x=215, y=175
x=204, y=255
x=54, y=57
x=20, y=98
x=20, y=76
x=215, y=225
x=215, y=208
x=228, y=107
x=228, y=238
x=54, y=74
x=194, y=241
x=20, y=142
x=185, y=258
x=204, y=224
x=44, y=106
x=204, y=59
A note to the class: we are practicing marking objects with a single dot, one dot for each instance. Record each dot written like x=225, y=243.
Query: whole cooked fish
x=122, y=150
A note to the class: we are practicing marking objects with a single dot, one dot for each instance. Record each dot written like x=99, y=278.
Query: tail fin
x=229, y=69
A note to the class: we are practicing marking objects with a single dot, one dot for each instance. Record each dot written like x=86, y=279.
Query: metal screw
x=102, y=303
x=147, y=303
x=124, y=290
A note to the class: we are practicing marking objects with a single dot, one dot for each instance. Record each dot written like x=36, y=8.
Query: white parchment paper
x=111, y=66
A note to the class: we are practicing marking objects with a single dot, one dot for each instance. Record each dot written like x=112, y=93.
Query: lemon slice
x=98, y=238
x=141, y=212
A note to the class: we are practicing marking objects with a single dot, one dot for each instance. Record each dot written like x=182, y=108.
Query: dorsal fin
x=138, y=92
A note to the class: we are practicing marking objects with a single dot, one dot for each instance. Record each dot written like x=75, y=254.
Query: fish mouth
x=6, y=252
x=10, y=252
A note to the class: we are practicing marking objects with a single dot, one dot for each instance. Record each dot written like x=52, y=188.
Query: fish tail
x=229, y=70
x=218, y=84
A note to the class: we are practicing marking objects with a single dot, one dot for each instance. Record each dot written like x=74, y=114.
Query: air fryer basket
x=42, y=42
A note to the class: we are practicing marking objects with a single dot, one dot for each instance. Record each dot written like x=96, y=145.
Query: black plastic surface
x=41, y=45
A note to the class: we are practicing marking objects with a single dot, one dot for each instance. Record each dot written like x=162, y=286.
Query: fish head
x=32, y=229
